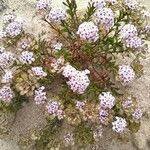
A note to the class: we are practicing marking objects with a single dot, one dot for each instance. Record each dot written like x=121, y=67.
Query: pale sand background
x=26, y=118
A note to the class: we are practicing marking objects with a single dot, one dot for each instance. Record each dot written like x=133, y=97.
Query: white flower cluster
x=77, y=80
x=57, y=15
x=7, y=77
x=126, y=74
x=8, y=18
x=6, y=59
x=14, y=28
x=26, y=57
x=54, y=109
x=131, y=4
x=6, y=94
x=40, y=95
x=98, y=3
x=138, y=113
x=133, y=42
x=43, y=4
x=38, y=71
x=88, y=31
x=127, y=31
x=119, y=125
x=107, y=100
x=105, y=17
x=129, y=36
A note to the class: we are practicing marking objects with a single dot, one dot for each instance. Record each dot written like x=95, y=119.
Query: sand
x=31, y=117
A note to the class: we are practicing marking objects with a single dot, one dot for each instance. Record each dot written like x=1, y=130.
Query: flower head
x=57, y=15
x=127, y=31
x=14, y=28
x=7, y=77
x=107, y=100
x=38, y=71
x=133, y=42
x=26, y=57
x=126, y=74
x=131, y=4
x=119, y=125
x=77, y=80
x=6, y=59
x=40, y=95
x=88, y=31
x=137, y=114
x=43, y=4
x=8, y=18
x=98, y=3
x=105, y=17
x=6, y=94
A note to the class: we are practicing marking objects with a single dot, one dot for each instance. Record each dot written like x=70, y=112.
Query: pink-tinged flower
x=88, y=31
x=119, y=125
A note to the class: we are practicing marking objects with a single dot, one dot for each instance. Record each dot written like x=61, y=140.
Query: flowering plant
x=77, y=76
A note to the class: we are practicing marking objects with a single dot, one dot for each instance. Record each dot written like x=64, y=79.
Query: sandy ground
x=26, y=118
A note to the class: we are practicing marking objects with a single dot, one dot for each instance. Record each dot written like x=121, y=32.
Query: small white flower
x=26, y=57
x=133, y=42
x=57, y=15
x=127, y=103
x=57, y=46
x=40, y=95
x=131, y=4
x=105, y=17
x=126, y=74
x=103, y=115
x=6, y=94
x=7, y=77
x=138, y=113
x=38, y=71
x=119, y=125
x=98, y=3
x=43, y=4
x=88, y=31
x=107, y=100
x=127, y=31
